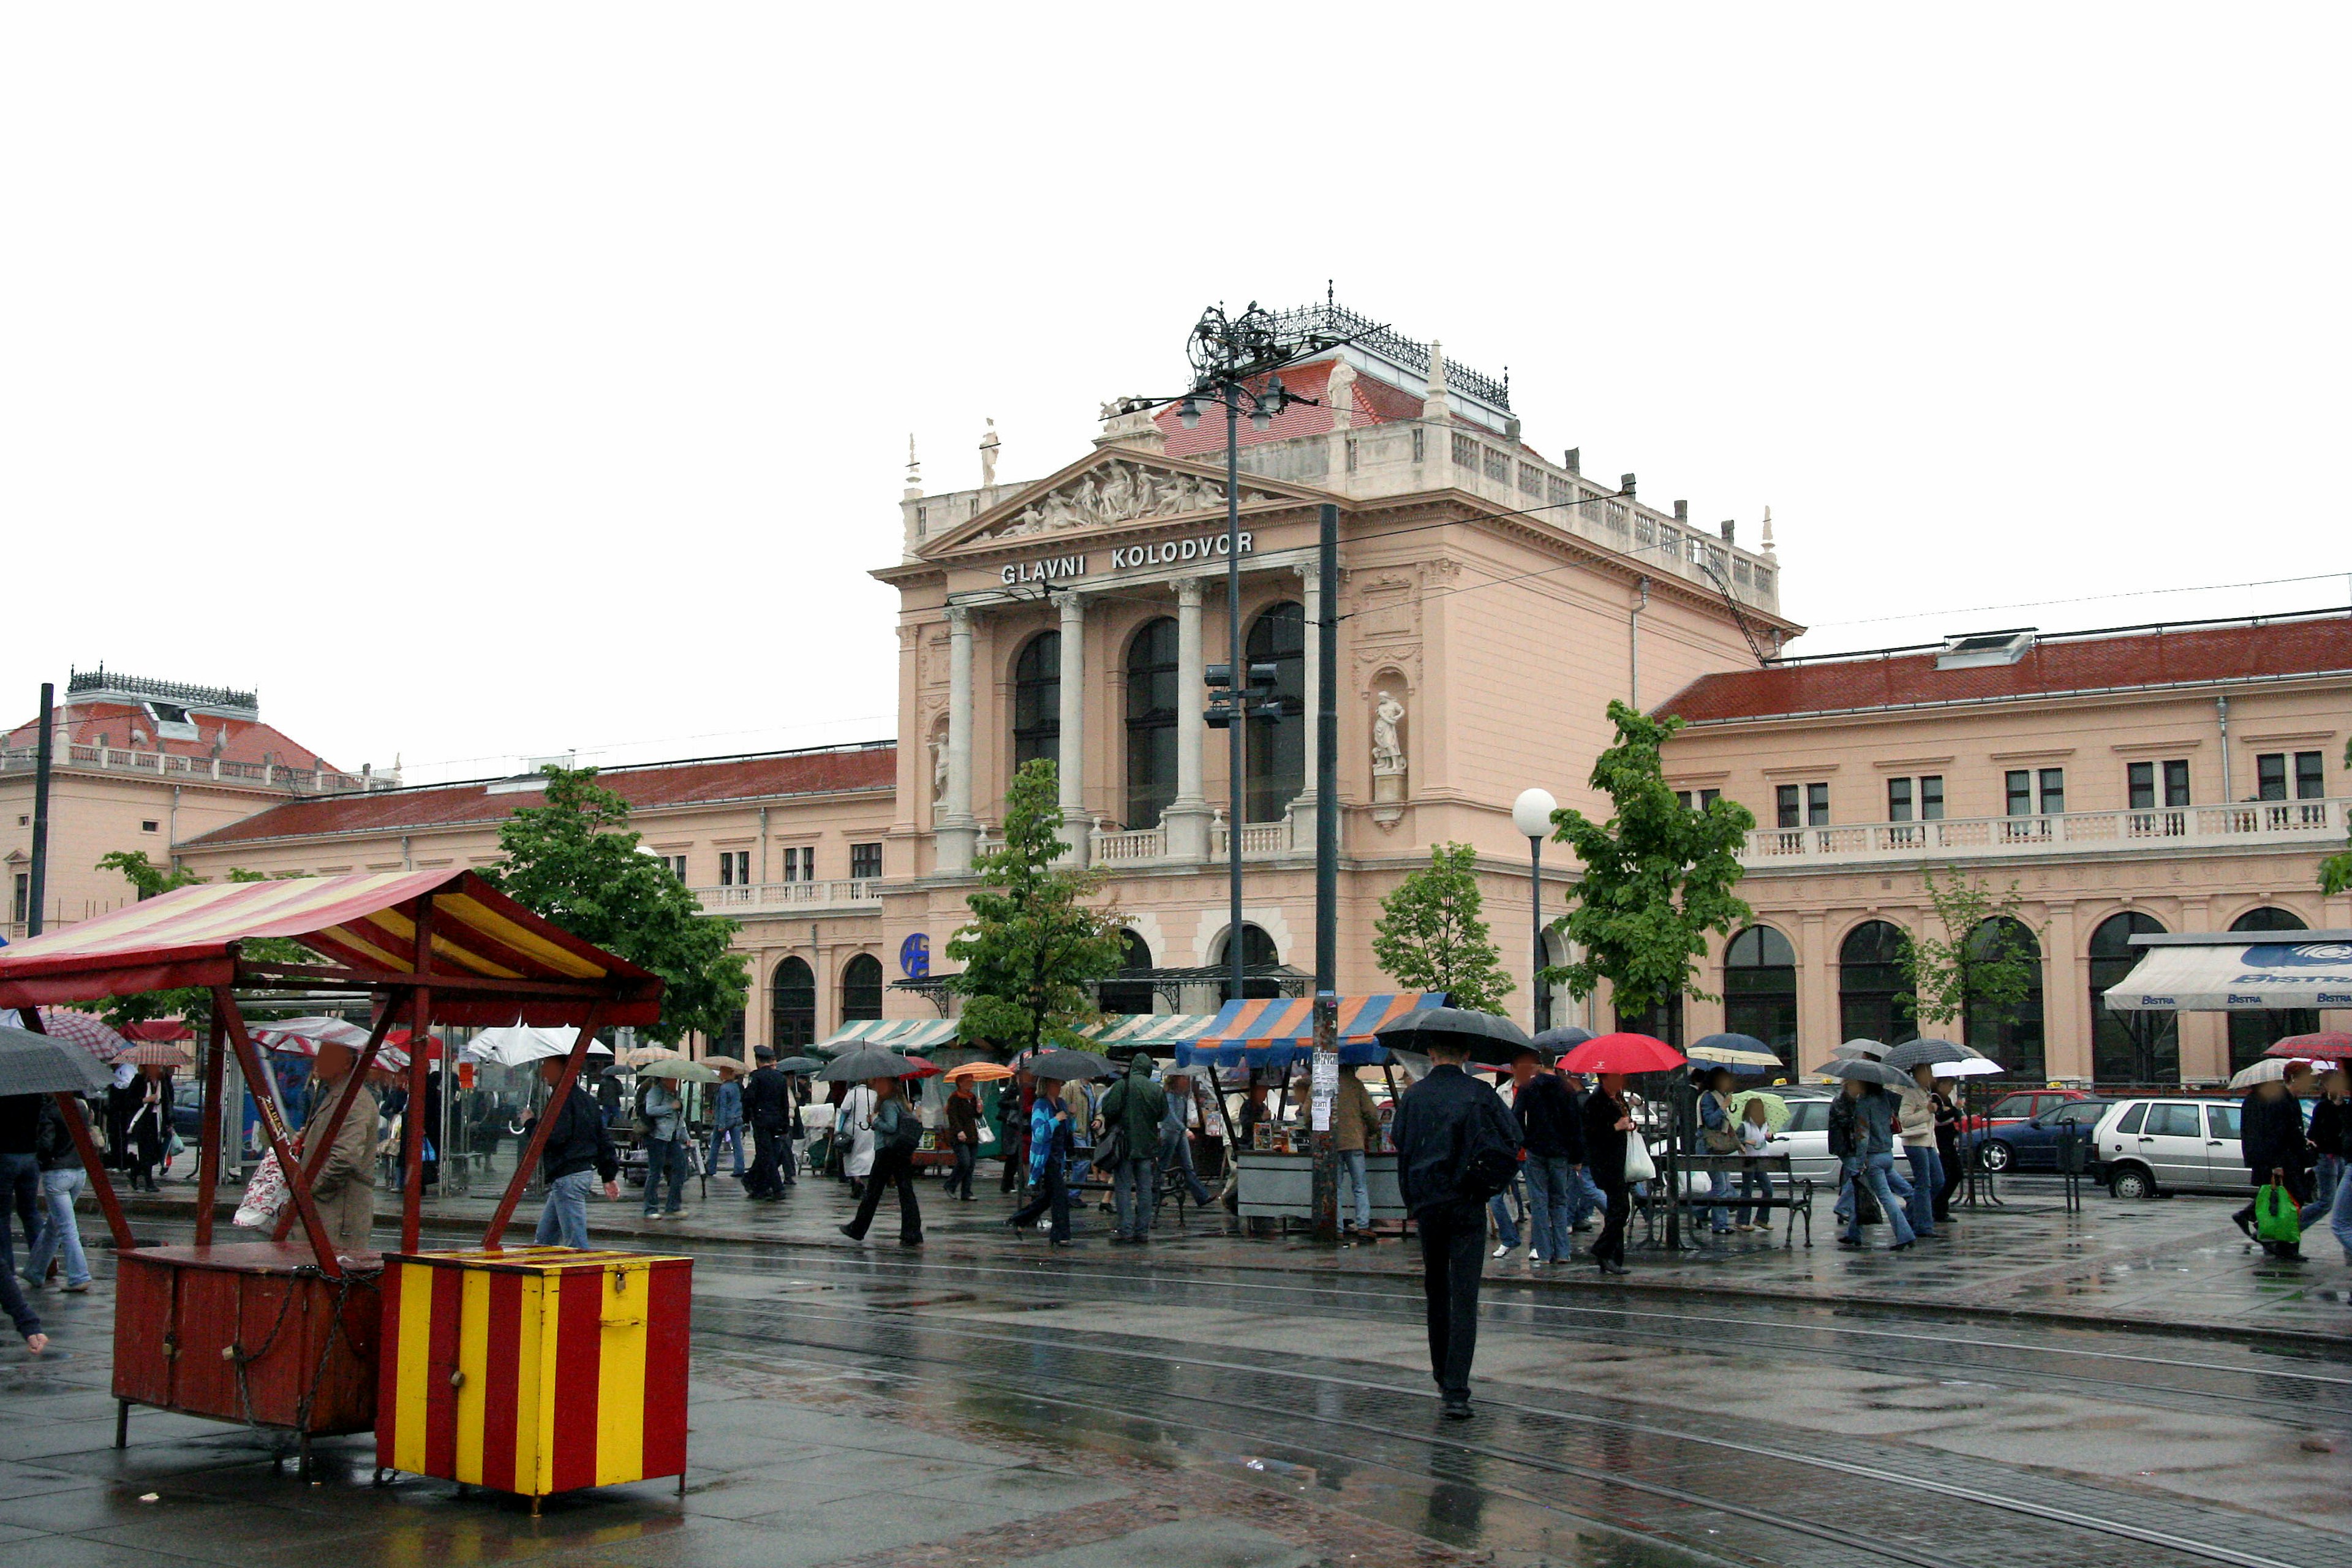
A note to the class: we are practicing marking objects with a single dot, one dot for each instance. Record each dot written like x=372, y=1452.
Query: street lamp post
x=1531, y=814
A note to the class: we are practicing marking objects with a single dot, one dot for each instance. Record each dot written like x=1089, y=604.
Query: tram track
x=761, y=1323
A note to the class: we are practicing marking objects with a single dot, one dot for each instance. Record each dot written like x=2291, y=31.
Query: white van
x=2148, y=1146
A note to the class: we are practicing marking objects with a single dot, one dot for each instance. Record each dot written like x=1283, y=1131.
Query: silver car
x=1806, y=1140
x=2165, y=1145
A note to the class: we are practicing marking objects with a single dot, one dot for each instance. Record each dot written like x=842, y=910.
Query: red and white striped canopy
x=365, y=923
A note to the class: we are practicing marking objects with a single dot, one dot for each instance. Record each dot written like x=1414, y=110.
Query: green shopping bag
x=2275, y=1216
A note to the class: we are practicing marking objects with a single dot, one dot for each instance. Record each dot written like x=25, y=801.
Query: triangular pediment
x=1109, y=489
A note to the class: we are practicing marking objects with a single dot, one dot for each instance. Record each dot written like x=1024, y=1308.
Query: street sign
x=915, y=957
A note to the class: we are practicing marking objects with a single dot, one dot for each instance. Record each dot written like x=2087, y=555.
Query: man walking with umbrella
x=1456, y=1145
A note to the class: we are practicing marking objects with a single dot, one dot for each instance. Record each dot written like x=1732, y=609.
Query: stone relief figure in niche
x=1388, y=747
x=938, y=766
x=1117, y=492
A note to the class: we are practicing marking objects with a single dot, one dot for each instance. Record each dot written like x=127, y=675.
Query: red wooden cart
x=262, y=1332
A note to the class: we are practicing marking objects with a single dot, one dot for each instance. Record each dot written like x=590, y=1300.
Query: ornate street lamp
x=1531, y=814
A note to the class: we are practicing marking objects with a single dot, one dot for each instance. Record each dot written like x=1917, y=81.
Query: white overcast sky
x=485, y=381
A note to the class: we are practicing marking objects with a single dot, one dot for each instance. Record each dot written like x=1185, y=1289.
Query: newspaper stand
x=271, y=1335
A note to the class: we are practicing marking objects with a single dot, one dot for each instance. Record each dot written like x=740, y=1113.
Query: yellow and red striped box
x=533, y=1370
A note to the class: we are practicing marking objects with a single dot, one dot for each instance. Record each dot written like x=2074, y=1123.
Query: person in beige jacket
x=1355, y=1132
x=345, y=1188
x=1916, y=1126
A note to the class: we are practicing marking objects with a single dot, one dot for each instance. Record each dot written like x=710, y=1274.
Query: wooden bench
x=1790, y=1191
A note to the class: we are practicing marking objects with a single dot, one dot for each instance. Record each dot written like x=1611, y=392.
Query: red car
x=2024, y=1105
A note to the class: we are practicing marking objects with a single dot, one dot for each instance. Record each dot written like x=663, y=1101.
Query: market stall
x=266, y=1333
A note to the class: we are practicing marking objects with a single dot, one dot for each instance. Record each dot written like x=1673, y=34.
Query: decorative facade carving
x=1118, y=492
x=1388, y=752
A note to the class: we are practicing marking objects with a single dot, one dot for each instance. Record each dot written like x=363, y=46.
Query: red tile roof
x=121, y=726
x=2052, y=667
x=646, y=787
x=1374, y=402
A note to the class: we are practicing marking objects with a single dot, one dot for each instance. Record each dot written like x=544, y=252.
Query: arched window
x=1037, y=702
x=2129, y=1048
x=2010, y=1035
x=793, y=996
x=861, y=988
x=1870, y=975
x=1759, y=989
x=1150, y=722
x=1127, y=995
x=1277, y=729
x=1259, y=953
x=2251, y=1034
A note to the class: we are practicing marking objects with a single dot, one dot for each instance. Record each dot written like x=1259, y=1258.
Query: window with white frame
x=734, y=868
x=2153, y=784
x=800, y=863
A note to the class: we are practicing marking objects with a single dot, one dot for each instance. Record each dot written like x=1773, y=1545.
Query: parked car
x=1806, y=1139
x=2034, y=1144
x=2148, y=1146
x=2022, y=1105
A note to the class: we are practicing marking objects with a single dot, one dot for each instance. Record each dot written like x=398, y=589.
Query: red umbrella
x=2327, y=1046
x=926, y=1070
x=1624, y=1053
x=86, y=1030
x=159, y=1029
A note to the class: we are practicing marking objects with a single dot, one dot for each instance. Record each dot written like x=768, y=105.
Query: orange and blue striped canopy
x=367, y=922
x=1269, y=1032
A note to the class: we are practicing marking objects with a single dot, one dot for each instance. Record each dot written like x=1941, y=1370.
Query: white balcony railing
x=175, y=766
x=1259, y=839
x=849, y=893
x=1123, y=848
x=2281, y=824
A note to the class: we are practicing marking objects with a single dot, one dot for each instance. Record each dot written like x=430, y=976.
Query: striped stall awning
x=1161, y=1032
x=366, y=923
x=891, y=1035
x=1274, y=1032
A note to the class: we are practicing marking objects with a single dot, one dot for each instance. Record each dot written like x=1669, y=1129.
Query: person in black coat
x=2271, y=1140
x=2331, y=1142
x=577, y=1155
x=1553, y=1128
x=1440, y=1123
x=767, y=1106
x=1607, y=1126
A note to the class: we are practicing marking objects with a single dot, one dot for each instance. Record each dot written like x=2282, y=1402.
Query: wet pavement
x=1244, y=1403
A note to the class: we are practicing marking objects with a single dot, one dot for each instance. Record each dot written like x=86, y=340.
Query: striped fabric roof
x=366, y=923
x=1147, y=1031
x=892, y=1034
x=1272, y=1031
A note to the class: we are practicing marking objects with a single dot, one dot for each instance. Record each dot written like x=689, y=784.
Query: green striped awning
x=891, y=1035
x=1147, y=1031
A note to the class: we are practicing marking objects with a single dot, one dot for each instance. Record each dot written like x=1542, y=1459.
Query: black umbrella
x=39, y=1064
x=864, y=1062
x=797, y=1064
x=1914, y=1053
x=1062, y=1065
x=1489, y=1038
x=1555, y=1043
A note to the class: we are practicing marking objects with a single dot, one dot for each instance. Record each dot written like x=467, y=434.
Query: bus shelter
x=267, y=1333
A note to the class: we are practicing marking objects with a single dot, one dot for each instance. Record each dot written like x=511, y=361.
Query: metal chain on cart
x=240, y=1360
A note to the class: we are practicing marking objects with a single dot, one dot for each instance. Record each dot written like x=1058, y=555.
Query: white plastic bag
x=1639, y=1167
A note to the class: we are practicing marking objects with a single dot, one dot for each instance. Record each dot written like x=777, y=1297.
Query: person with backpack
x=1130, y=1116
x=898, y=1132
x=578, y=1154
x=1456, y=1146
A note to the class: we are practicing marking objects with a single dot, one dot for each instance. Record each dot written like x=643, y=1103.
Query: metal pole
x=1534, y=907
x=1235, y=737
x=37, y=886
x=1326, y=631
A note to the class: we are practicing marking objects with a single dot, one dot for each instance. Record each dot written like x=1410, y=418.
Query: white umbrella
x=2269, y=1069
x=1975, y=1066
x=514, y=1046
x=303, y=1037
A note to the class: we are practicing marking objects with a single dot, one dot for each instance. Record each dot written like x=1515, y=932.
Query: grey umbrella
x=1557, y=1042
x=39, y=1064
x=797, y=1064
x=864, y=1062
x=1915, y=1053
x=1869, y=1050
x=1866, y=1070
x=1489, y=1038
x=1062, y=1065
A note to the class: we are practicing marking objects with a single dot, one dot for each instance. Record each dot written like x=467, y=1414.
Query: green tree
x=1984, y=959
x=191, y=1003
x=1033, y=944
x=2335, y=871
x=1657, y=875
x=575, y=861
x=1431, y=937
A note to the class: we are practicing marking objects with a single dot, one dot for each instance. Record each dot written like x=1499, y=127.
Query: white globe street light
x=1531, y=814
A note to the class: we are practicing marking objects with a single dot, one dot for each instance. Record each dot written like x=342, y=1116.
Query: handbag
x=1639, y=1167
x=2276, y=1217
x=1111, y=1152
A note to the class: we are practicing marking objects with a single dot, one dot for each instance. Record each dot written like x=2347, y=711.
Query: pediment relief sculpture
x=1117, y=491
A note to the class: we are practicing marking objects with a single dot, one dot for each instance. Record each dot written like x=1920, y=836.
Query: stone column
x=1817, y=998
x=1072, y=743
x=1186, y=819
x=1302, y=809
x=956, y=827
x=2066, y=1049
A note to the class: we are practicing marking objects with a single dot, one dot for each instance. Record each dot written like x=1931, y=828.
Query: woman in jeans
x=1049, y=1165
x=894, y=1166
x=1871, y=1167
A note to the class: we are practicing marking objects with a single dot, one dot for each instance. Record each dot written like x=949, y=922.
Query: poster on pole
x=1326, y=1089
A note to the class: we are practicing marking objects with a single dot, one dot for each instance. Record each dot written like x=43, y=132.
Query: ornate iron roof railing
x=1339, y=322
x=101, y=680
